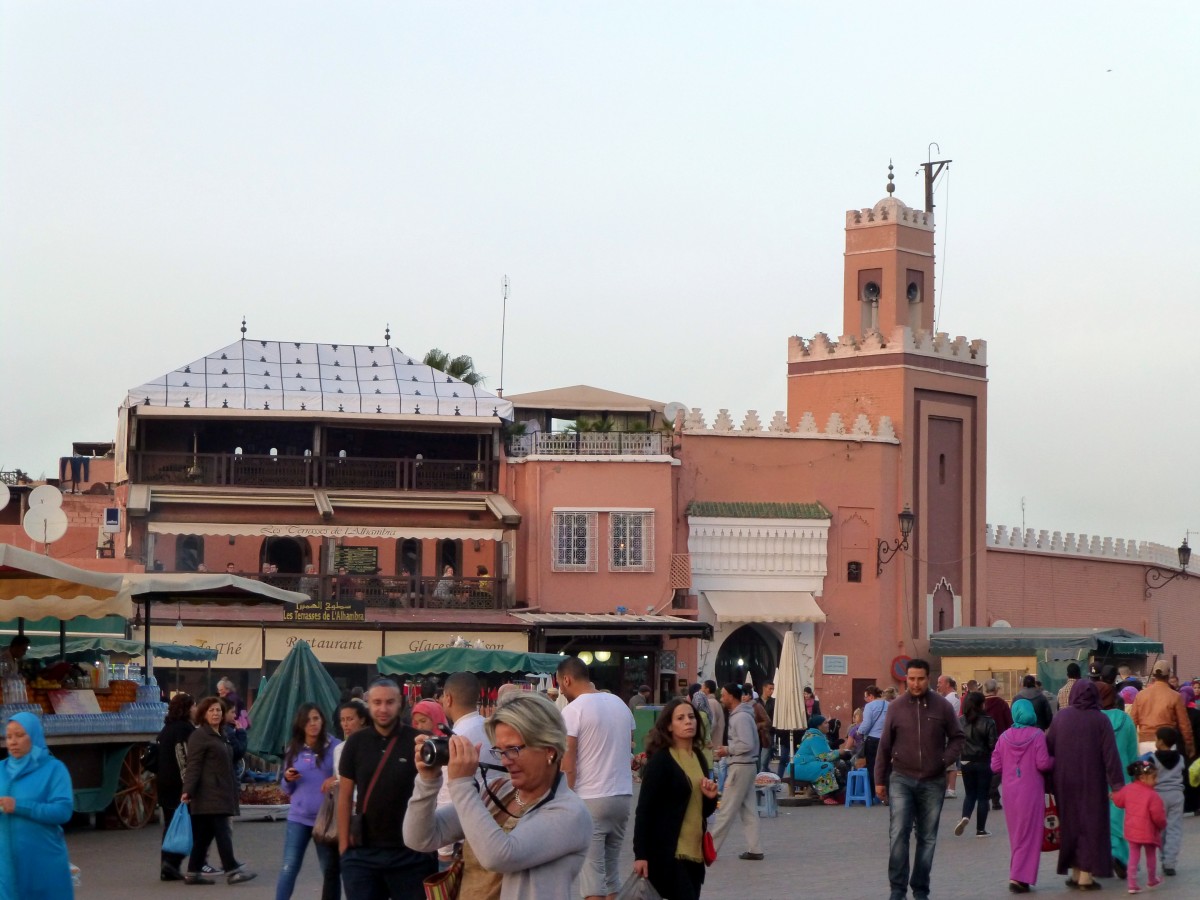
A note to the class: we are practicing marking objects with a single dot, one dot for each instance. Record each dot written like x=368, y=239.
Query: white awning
x=383, y=532
x=764, y=606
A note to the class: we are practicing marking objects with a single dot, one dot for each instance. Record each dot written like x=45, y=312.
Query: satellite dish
x=672, y=410
x=5, y=495
x=45, y=524
x=45, y=495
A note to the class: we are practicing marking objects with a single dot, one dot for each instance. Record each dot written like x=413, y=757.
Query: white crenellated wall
x=835, y=428
x=1006, y=538
x=901, y=340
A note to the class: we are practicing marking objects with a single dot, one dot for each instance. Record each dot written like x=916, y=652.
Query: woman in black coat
x=212, y=793
x=172, y=756
x=677, y=797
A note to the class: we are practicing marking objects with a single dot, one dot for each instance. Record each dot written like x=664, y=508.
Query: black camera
x=436, y=749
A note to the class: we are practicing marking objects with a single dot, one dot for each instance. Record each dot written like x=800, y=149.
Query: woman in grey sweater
x=539, y=847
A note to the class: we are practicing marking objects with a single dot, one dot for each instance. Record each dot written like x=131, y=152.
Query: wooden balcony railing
x=246, y=470
x=394, y=592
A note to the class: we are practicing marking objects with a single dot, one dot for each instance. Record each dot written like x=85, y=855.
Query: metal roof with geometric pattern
x=331, y=378
x=713, y=510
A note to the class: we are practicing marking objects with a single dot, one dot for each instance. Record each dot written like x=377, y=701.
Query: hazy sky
x=664, y=184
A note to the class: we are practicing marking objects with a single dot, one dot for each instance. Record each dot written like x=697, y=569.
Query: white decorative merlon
x=835, y=427
x=889, y=210
x=901, y=340
x=1094, y=546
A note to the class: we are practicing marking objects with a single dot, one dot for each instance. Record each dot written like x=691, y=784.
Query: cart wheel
x=137, y=792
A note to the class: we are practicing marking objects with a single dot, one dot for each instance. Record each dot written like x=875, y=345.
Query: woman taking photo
x=35, y=801
x=172, y=757
x=307, y=774
x=538, y=840
x=212, y=795
x=677, y=796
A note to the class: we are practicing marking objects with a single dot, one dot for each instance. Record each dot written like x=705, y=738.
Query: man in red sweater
x=997, y=707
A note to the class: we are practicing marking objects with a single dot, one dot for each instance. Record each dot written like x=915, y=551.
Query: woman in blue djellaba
x=35, y=802
x=817, y=763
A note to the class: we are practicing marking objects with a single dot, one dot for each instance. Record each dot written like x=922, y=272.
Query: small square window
x=854, y=572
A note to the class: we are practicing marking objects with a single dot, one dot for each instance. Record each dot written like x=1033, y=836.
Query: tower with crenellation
x=890, y=361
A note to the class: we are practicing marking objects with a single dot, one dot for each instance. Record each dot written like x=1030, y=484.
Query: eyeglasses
x=509, y=753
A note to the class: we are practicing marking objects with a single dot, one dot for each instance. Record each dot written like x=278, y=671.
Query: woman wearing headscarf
x=35, y=801
x=1021, y=759
x=1089, y=767
x=1125, y=734
x=814, y=761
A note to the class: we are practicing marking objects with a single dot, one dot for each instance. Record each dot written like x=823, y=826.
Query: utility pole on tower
x=933, y=169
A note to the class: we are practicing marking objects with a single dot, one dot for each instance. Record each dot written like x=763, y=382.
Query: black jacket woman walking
x=677, y=797
x=172, y=754
x=212, y=794
x=979, y=731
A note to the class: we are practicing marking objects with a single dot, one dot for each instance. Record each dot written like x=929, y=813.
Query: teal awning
x=90, y=647
x=1028, y=641
x=466, y=659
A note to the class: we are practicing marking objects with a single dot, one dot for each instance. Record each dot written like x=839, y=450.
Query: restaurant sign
x=237, y=648
x=331, y=610
x=417, y=641
x=329, y=645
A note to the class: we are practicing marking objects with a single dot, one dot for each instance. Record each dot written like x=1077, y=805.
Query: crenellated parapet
x=890, y=210
x=833, y=428
x=1121, y=549
x=901, y=340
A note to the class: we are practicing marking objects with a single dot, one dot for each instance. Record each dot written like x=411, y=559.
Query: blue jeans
x=377, y=873
x=295, y=843
x=913, y=802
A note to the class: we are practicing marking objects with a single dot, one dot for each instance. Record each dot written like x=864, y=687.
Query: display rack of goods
x=264, y=794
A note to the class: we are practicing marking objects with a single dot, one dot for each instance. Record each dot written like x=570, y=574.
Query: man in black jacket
x=1041, y=706
x=921, y=738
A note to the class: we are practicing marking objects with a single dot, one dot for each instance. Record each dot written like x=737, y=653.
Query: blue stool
x=767, y=800
x=858, y=787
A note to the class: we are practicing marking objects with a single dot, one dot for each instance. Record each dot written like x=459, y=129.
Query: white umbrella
x=789, y=687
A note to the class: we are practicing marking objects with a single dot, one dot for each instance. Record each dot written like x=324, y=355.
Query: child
x=1145, y=819
x=1171, y=769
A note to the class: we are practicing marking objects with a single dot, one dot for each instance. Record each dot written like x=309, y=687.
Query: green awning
x=466, y=659
x=90, y=647
x=1029, y=641
x=1131, y=646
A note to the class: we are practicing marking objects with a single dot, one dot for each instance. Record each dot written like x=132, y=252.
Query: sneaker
x=749, y=855
x=206, y=869
x=984, y=833
x=1135, y=890
x=951, y=794
x=961, y=827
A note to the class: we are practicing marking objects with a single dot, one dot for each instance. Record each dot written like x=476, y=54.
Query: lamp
x=1156, y=577
x=585, y=657
x=886, y=551
x=603, y=655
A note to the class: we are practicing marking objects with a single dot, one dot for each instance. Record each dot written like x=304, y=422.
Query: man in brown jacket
x=1158, y=705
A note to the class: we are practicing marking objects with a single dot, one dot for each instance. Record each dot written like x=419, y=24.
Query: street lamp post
x=886, y=551
x=1156, y=577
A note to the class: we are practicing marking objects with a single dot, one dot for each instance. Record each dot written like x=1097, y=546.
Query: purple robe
x=1021, y=758
x=1081, y=739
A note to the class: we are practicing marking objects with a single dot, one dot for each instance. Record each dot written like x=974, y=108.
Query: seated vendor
x=13, y=661
x=814, y=761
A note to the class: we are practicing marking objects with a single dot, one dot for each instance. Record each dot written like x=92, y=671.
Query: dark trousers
x=914, y=805
x=681, y=881
x=331, y=887
x=977, y=783
x=379, y=873
x=175, y=860
x=870, y=749
x=206, y=829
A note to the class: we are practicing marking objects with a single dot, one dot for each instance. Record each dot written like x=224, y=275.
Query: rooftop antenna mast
x=933, y=168
x=503, y=320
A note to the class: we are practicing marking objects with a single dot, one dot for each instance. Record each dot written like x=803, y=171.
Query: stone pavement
x=830, y=852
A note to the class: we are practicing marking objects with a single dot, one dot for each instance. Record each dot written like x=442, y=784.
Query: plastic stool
x=858, y=787
x=768, y=800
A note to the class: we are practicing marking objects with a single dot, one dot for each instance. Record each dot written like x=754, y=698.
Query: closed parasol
x=789, y=687
x=299, y=679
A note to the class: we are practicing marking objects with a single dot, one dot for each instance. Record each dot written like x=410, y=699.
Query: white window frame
x=625, y=524
x=565, y=536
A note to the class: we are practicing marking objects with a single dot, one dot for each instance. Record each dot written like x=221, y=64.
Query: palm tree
x=460, y=367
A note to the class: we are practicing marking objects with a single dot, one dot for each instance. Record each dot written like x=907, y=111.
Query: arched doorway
x=751, y=649
x=189, y=552
x=287, y=554
x=408, y=558
x=450, y=554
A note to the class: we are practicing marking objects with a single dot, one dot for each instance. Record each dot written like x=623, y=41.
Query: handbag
x=355, y=837
x=325, y=828
x=708, y=848
x=178, y=838
x=638, y=888
x=1051, y=828
x=445, y=885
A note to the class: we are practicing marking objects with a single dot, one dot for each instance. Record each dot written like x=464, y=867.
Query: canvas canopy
x=34, y=586
x=90, y=647
x=465, y=659
x=204, y=587
x=1002, y=641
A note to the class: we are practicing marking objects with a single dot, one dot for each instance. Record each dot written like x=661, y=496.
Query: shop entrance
x=751, y=650
x=288, y=554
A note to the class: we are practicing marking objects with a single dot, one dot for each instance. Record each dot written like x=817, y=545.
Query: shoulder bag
x=325, y=828
x=356, y=820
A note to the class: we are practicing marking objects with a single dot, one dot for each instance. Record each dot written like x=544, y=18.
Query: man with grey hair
x=995, y=706
x=597, y=766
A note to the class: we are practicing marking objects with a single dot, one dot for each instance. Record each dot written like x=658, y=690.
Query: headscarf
x=1085, y=696
x=1023, y=714
x=1128, y=694
x=1188, y=693
x=32, y=726
x=814, y=722
x=434, y=710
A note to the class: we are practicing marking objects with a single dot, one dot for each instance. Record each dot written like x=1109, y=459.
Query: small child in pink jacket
x=1145, y=819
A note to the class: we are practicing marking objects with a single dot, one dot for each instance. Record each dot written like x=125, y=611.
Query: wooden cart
x=107, y=769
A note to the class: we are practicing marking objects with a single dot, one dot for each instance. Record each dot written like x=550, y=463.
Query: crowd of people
x=1111, y=757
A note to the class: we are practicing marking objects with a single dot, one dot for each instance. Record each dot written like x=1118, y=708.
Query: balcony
x=589, y=443
x=394, y=592
x=331, y=472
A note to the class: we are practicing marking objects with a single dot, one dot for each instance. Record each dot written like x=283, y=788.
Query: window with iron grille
x=631, y=542
x=574, y=537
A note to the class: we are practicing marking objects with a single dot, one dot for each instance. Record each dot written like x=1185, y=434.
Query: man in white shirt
x=597, y=766
x=460, y=700
x=948, y=688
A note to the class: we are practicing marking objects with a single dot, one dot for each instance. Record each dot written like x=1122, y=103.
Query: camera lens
x=436, y=751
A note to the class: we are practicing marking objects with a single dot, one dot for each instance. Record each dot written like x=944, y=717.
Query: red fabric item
x=1145, y=814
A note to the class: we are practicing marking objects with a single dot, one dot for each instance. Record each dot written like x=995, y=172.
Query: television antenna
x=45, y=522
x=503, y=320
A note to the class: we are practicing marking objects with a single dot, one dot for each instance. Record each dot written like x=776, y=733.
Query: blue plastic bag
x=178, y=838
